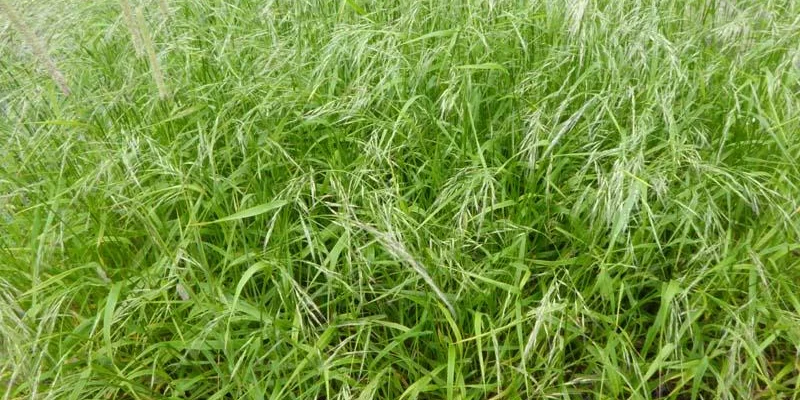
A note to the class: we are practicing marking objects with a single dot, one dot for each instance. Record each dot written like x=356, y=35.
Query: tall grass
x=403, y=199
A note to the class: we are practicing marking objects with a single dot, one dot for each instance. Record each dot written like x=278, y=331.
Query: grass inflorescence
x=400, y=199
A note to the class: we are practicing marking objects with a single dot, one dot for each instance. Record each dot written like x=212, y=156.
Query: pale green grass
x=405, y=199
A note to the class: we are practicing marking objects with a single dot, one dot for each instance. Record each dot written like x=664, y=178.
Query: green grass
x=401, y=199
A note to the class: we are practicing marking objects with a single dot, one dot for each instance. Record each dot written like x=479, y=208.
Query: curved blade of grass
x=250, y=212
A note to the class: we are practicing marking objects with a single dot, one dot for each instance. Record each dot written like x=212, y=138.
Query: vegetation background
x=401, y=199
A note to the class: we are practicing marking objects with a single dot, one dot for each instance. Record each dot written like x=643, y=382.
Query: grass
x=407, y=199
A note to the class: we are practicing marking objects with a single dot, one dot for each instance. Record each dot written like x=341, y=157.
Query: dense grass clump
x=400, y=199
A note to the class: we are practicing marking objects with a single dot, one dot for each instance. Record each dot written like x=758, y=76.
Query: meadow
x=400, y=199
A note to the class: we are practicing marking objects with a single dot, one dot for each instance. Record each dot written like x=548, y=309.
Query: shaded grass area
x=402, y=199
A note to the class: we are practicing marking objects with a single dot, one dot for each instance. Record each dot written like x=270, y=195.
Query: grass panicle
x=37, y=46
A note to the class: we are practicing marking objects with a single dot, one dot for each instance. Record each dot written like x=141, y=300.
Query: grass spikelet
x=155, y=64
x=36, y=45
x=133, y=27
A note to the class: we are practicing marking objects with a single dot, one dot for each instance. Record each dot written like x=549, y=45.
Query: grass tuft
x=401, y=199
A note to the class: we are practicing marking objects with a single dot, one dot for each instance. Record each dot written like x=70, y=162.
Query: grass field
x=400, y=199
